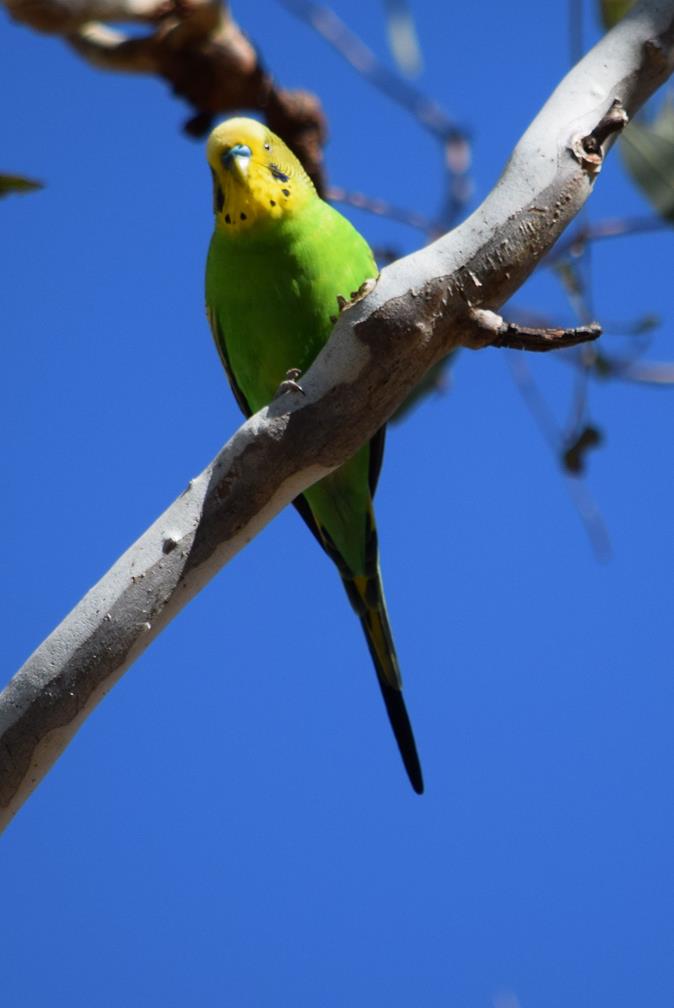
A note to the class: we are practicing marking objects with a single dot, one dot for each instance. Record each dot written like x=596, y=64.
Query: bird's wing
x=219, y=340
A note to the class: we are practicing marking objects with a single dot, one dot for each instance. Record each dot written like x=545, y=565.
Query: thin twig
x=427, y=112
x=330, y=27
x=656, y=373
x=587, y=510
x=609, y=228
x=499, y=333
x=382, y=208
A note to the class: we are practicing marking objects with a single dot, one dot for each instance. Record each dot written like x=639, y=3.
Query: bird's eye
x=267, y=146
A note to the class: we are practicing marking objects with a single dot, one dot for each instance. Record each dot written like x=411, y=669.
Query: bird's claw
x=355, y=296
x=289, y=383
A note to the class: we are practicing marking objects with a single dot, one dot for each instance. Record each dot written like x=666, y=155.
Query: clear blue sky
x=232, y=826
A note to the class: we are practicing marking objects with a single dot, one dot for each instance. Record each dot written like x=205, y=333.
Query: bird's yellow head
x=256, y=178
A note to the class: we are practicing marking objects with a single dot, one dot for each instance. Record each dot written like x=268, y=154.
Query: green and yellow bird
x=278, y=260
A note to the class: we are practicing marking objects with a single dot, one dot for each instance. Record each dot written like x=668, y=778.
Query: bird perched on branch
x=281, y=265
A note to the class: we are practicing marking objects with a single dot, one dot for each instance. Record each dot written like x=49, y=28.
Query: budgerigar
x=278, y=260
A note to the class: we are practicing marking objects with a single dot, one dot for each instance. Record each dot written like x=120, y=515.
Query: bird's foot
x=289, y=383
x=365, y=288
x=344, y=303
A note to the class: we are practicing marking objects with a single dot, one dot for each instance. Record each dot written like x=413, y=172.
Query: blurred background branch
x=198, y=48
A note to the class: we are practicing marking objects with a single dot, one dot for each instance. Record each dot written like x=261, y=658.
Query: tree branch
x=518, y=337
x=199, y=50
x=423, y=306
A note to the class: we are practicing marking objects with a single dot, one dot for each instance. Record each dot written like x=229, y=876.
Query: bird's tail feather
x=366, y=595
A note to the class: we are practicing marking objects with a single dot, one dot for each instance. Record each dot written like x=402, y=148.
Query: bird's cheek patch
x=277, y=173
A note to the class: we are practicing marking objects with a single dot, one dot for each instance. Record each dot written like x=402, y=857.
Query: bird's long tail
x=366, y=595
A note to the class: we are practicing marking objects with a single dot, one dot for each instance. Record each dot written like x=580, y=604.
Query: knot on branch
x=589, y=150
x=657, y=56
x=199, y=50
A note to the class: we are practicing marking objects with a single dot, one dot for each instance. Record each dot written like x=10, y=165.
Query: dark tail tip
x=402, y=729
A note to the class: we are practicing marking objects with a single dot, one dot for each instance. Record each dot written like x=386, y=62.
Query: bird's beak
x=237, y=158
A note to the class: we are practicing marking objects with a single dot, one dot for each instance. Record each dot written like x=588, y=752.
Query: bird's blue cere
x=237, y=151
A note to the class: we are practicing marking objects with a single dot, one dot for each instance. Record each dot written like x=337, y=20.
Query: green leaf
x=17, y=184
x=648, y=152
x=611, y=11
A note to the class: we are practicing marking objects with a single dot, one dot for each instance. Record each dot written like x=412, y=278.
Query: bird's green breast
x=273, y=293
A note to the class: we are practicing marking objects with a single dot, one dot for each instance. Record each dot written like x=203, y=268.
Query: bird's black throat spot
x=228, y=219
x=242, y=216
x=272, y=202
x=278, y=174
